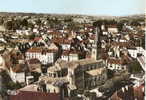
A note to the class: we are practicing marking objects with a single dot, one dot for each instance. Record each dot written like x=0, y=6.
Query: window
x=95, y=79
x=55, y=75
x=50, y=74
x=94, y=52
x=89, y=68
x=48, y=90
x=123, y=68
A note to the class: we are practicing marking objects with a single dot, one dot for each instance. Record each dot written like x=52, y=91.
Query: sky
x=88, y=7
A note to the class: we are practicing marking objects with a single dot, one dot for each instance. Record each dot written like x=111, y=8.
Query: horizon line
x=94, y=15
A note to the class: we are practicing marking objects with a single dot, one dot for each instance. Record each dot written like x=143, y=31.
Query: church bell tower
x=95, y=46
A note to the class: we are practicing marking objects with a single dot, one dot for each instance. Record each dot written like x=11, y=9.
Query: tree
x=110, y=73
x=68, y=20
x=8, y=25
x=30, y=25
x=120, y=26
x=31, y=36
x=135, y=67
x=8, y=83
x=111, y=22
x=11, y=85
x=1, y=21
x=135, y=23
x=17, y=24
x=98, y=23
x=38, y=22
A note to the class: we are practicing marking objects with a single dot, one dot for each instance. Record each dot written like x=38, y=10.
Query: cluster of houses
x=63, y=61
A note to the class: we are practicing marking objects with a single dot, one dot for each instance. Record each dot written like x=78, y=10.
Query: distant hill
x=72, y=15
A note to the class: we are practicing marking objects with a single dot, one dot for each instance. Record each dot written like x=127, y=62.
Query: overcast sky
x=91, y=7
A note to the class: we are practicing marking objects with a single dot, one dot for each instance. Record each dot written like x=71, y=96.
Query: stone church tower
x=94, y=54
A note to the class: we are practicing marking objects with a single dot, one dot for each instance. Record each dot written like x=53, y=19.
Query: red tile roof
x=114, y=61
x=61, y=41
x=20, y=68
x=112, y=26
x=37, y=38
x=67, y=52
x=123, y=44
x=55, y=33
x=123, y=60
x=28, y=95
x=139, y=93
x=33, y=61
x=35, y=49
x=40, y=50
x=92, y=37
x=131, y=94
x=104, y=56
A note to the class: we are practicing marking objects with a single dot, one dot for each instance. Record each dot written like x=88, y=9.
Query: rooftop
x=96, y=71
x=20, y=68
x=31, y=95
x=52, y=80
x=75, y=64
x=41, y=49
x=31, y=87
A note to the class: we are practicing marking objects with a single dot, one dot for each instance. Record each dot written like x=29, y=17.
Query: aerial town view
x=71, y=56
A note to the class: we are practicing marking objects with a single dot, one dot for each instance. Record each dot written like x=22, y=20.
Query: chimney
x=126, y=87
x=123, y=89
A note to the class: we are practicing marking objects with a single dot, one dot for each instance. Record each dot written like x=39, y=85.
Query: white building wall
x=66, y=58
x=17, y=77
x=133, y=52
x=73, y=57
x=52, y=89
x=113, y=30
x=116, y=67
x=66, y=46
x=44, y=58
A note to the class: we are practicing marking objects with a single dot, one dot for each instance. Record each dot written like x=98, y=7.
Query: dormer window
x=54, y=75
